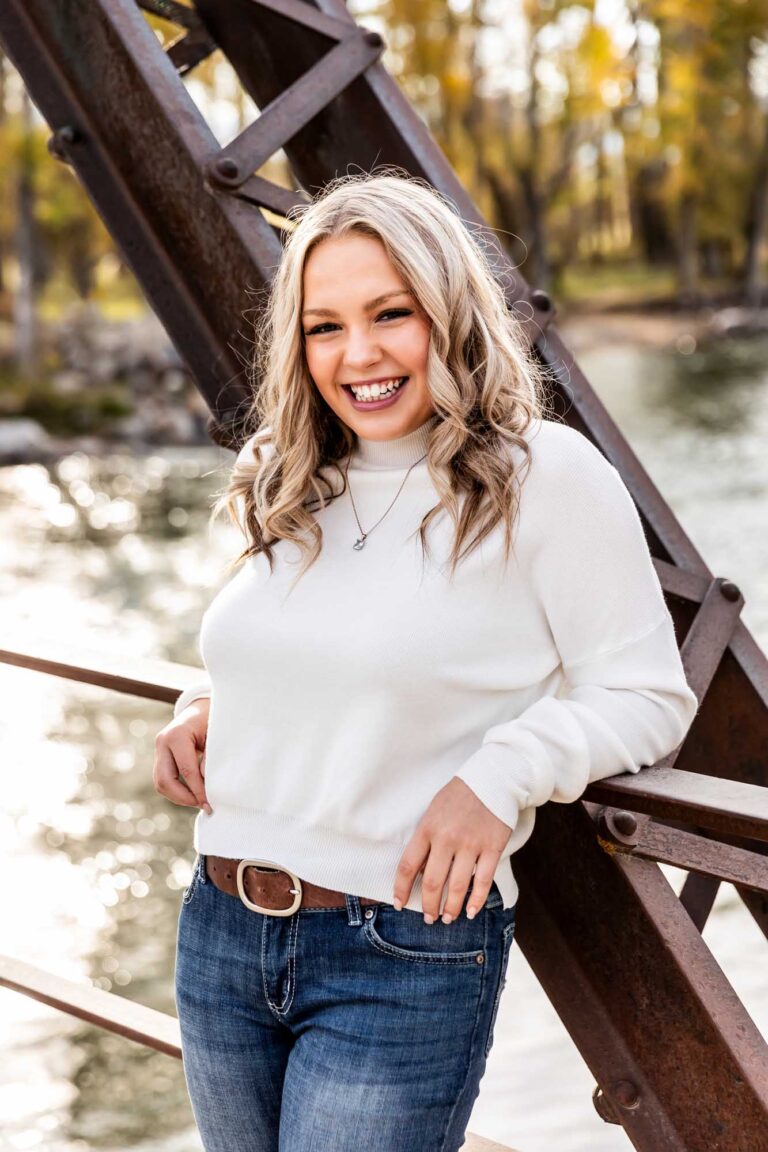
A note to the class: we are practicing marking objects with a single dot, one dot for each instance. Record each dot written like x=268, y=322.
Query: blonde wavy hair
x=485, y=385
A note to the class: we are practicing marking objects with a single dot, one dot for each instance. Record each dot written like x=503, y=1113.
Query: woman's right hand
x=179, y=771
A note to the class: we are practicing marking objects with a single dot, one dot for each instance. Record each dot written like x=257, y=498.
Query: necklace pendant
x=359, y=544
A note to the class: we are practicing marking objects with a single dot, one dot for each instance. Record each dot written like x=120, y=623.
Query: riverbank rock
x=738, y=322
x=23, y=441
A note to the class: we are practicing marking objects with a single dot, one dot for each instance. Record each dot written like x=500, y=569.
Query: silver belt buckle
x=270, y=864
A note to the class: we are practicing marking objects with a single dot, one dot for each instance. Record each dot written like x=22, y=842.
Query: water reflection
x=115, y=554
x=699, y=425
x=711, y=389
x=112, y=554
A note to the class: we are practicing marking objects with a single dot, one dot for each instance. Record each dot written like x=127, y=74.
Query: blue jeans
x=335, y=1028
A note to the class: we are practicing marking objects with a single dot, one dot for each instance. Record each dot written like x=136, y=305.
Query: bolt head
x=541, y=300
x=625, y=1093
x=62, y=139
x=729, y=591
x=226, y=169
x=625, y=823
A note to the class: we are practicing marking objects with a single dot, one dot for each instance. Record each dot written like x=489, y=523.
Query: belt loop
x=202, y=873
x=354, y=919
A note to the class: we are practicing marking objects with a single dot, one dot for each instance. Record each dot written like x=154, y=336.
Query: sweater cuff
x=490, y=773
x=194, y=692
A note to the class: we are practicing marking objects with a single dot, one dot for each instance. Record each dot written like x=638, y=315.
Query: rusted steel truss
x=678, y=1061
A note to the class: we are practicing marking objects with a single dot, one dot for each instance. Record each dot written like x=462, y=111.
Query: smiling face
x=353, y=336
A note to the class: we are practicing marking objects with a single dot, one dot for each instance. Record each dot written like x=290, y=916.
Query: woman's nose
x=362, y=348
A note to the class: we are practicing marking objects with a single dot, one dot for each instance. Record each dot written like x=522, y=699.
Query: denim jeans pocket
x=508, y=933
x=191, y=888
x=405, y=936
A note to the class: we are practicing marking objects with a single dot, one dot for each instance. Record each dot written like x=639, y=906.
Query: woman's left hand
x=456, y=833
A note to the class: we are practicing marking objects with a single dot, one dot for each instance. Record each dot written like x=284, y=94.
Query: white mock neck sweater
x=338, y=711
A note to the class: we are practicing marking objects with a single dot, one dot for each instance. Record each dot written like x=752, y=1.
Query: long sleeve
x=625, y=702
x=201, y=690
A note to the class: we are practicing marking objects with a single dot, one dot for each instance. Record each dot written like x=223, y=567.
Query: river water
x=115, y=554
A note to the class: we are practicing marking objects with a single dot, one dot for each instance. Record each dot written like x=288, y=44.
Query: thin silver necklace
x=359, y=544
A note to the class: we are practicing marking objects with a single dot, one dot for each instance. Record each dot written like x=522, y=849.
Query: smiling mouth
x=371, y=392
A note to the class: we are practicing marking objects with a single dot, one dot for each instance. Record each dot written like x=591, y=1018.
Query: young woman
x=446, y=615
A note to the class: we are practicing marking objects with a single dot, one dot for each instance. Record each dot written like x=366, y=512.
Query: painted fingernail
x=428, y=919
x=447, y=917
x=471, y=912
x=398, y=904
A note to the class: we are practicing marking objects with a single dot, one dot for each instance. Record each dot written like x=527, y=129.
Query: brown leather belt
x=264, y=886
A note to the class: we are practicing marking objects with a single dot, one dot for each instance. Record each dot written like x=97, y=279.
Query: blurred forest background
x=620, y=147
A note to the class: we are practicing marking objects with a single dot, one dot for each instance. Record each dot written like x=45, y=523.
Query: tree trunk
x=3, y=98
x=540, y=275
x=687, y=256
x=505, y=213
x=648, y=208
x=24, y=299
x=757, y=218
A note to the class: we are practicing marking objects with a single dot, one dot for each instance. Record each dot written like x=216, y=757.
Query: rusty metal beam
x=757, y=904
x=151, y=679
x=697, y=896
x=265, y=194
x=105, y=1009
x=710, y=634
x=683, y=583
x=645, y=839
x=293, y=109
x=678, y=1058
x=123, y=119
x=174, y=12
x=734, y=808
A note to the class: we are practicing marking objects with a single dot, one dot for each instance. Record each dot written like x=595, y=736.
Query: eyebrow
x=368, y=306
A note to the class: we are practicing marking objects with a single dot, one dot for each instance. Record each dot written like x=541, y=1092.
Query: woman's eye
x=396, y=312
x=321, y=328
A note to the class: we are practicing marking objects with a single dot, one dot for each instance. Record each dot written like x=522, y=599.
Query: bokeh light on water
x=114, y=554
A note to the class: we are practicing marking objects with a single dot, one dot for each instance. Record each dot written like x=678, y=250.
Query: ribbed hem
x=402, y=452
x=319, y=855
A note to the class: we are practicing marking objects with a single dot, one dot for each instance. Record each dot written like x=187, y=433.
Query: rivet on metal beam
x=625, y=822
x=730, y=591
x=541, y=300
x=626, y=1095
x=373, y=38
x=225, y=170
x=62, y=139
x=618, y=830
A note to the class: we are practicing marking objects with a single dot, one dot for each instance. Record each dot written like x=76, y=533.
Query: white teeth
x=375, y=391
